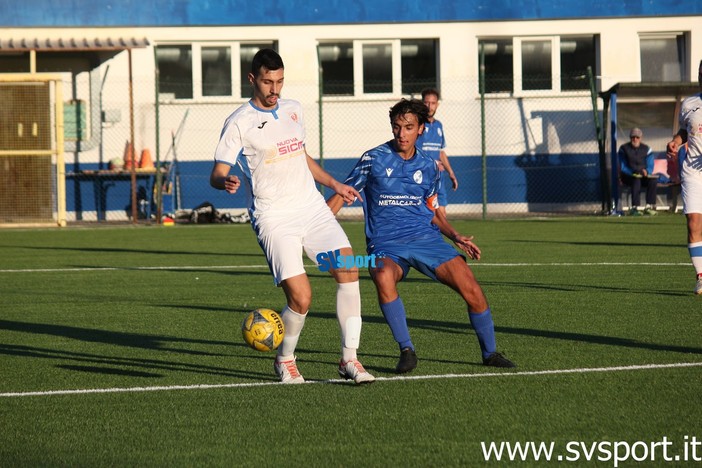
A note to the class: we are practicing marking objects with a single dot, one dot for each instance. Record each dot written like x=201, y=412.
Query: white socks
x=293, y=326
x=348, y=312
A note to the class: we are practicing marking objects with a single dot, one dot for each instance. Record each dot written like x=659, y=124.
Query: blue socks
x=394, y=313
x=485, y=329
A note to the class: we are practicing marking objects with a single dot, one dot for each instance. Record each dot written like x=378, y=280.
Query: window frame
x=556, y=64
x=196, y=48
x=357, y=46
x=680, y=38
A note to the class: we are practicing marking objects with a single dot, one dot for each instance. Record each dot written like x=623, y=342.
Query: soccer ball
x=263, y=330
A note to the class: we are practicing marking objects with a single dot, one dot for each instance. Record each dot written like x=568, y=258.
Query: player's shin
x=348, y=312
x=293, y=326
x=395, y=316
x=695, y=250
x=485, y=330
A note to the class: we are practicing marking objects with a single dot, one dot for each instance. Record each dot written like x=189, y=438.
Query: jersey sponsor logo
x=399, y=200
x=388, y=171
x=291, y=145
x=286, y=149
x=262, y=124
x=417, y=177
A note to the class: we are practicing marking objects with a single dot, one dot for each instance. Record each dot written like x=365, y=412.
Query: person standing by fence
x=433, y=142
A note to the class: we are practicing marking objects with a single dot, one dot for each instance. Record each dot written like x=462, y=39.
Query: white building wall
x=356, y=124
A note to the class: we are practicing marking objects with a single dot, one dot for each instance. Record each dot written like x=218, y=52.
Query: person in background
x=404, y=229
x=636, y=162
x=433, y=142
x=266, y=138
x=685, y=152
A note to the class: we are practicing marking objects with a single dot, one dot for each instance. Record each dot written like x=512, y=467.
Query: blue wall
x=85, y=13
x=551, y=179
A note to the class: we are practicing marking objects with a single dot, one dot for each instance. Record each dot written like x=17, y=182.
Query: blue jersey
x=397, y=194
x=432, y=139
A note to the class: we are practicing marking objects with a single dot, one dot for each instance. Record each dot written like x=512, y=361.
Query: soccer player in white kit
x=685, y=152
x=266, y=138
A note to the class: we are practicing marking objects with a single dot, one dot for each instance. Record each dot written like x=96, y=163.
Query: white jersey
x=690, y=155
x=691, y=120
x=269, y=147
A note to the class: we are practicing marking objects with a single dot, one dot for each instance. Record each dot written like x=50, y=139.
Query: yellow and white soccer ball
x=263, y=329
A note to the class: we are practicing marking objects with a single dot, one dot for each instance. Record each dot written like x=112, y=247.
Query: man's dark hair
x=410, y=106
x=268, y=58
x=433, y=91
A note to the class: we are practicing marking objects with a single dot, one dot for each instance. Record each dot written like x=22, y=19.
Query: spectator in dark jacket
x=636, y=170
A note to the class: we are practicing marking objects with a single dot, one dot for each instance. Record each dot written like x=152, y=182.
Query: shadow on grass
x=121, y=250
x=132, y=340
x=127, y=365
x=581, y=287
x=464, y=327
x=600, y=244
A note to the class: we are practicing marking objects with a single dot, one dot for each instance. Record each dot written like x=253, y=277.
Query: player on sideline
x=266, y=138
x=685, y=152
x=433, y=142
x=404, y=227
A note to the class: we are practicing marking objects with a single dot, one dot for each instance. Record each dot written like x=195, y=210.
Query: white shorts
x=691, y=188
x=284, y=237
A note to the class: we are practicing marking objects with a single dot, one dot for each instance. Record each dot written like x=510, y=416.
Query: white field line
x=584, y=370
x=243, y=267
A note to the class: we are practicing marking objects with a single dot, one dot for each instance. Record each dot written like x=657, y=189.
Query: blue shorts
x=424, y=255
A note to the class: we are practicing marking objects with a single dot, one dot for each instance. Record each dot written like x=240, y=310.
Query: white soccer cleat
x=698, y=287
x=354, y=370
x=287, y=372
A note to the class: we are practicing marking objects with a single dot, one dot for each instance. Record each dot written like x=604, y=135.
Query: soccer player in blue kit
x=399, y=183
x=433, y=142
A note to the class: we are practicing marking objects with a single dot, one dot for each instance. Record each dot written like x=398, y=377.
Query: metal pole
x=131, y=141
x=600, y=140
x=159, y=175
x=320, y=91
x=481, y=80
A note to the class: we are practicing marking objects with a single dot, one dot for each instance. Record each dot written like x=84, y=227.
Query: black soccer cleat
x=498, y=360
x=407, y=362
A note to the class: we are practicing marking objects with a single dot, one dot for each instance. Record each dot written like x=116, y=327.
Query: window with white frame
x=378, y=67
x=528, y=65
x=663, y=57
x=206, y=70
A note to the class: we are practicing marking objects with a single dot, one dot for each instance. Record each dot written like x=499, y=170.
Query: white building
x=540, y=136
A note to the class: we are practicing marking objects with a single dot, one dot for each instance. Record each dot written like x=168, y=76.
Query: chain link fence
x=516, y=156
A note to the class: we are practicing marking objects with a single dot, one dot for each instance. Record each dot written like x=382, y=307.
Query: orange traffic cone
x=128, y=156
x=145, y=162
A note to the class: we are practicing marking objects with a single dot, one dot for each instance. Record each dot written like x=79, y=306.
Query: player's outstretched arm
x=348, y=193
x=335, y=203
x=443, y=157
x=465, y=243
